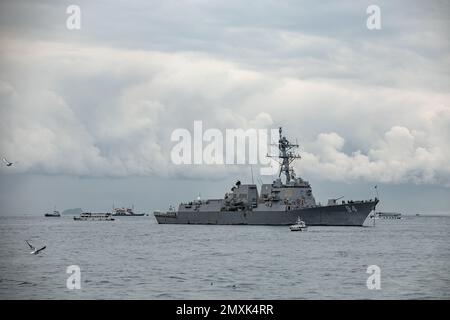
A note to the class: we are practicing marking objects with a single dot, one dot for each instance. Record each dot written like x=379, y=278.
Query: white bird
x=8, y=164
x=35, y=251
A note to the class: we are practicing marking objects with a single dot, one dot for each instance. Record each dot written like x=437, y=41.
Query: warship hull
x=351, y=214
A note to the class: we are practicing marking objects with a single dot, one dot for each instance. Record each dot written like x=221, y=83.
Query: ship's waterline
x=338, y=215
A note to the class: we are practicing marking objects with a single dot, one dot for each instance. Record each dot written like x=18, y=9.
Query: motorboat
x=300, y=225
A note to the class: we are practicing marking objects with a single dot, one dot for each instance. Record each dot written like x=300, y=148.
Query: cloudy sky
x=88, y=113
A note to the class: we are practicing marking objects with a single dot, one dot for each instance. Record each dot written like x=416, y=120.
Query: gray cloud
x=366, y=105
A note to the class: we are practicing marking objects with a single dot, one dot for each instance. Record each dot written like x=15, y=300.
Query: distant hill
x=75, y=211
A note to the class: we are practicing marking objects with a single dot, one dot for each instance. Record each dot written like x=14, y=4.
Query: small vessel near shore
x=126, y=212
x=388, y=215
x=300, y=225
x=54, y=214
x=94, y=216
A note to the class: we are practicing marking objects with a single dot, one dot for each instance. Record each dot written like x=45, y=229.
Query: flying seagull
x=35, y=251
x=8, y=164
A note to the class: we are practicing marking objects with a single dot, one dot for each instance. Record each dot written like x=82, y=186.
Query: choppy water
x=135, y=258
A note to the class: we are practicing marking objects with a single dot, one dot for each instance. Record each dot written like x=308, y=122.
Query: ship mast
x=286, y=156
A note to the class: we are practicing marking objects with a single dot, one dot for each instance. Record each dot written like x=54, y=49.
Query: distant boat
x=300, y=225
x=388, y=215
x=94, y=216
x=126, y=212
x=54, y=214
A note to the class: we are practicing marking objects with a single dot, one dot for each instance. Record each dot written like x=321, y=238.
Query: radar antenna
x=286, y=156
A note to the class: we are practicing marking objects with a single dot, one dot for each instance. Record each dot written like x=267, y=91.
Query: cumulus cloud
x=104, y=101
x=67, y=125
x=401, y=156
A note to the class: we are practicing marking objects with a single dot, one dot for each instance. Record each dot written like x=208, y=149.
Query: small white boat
x=90, y=216
x=300, y=225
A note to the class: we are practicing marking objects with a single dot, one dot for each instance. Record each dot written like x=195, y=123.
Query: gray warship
x=278, y=203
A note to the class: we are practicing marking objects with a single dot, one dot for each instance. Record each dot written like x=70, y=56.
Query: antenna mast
x=286, y=155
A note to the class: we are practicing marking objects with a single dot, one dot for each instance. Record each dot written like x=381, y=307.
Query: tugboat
x=126, y=212
x=300, y=225
x=93, y=216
